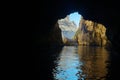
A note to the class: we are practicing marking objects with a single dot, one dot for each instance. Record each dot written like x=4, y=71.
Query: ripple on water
x=81, y=63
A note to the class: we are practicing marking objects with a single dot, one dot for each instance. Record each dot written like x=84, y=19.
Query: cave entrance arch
x=75, y=30
x=69, y=26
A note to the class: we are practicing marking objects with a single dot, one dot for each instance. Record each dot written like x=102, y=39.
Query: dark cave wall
x=55, y=37
x=46, y=13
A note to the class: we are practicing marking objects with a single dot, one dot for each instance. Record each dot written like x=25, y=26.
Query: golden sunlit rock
x=91, y=33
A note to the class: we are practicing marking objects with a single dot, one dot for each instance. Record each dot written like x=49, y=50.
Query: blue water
x=81, y=63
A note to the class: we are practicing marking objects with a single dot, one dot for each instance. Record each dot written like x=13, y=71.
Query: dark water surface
x=82, y=63
x=76, y=63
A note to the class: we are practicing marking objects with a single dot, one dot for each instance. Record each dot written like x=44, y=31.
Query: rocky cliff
x=68, y=29
x=91, y=33
x=67, y=25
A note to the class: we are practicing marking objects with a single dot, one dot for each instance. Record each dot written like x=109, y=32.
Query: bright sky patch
x=75, y=17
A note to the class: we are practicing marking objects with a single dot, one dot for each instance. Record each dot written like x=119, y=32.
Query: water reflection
x=81, y=63
x=95, y=62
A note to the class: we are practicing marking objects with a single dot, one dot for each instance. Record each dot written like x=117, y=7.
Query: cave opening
x=75, y=30
x=69, y=26
x=97, y=62
x=79, y=62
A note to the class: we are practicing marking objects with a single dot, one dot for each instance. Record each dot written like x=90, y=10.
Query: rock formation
x=91, y=33
x=55, y=36
x=67, y=25
x=69, y=29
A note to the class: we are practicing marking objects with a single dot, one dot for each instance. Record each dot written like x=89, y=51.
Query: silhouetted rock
x=55, y=36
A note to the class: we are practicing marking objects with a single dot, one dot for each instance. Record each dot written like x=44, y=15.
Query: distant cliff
x=91, y=33
x=68, y=30
x=67, y=25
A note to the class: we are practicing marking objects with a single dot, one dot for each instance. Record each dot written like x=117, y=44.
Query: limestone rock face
x=91, y=33
x=68, y=30
x=67, y=25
